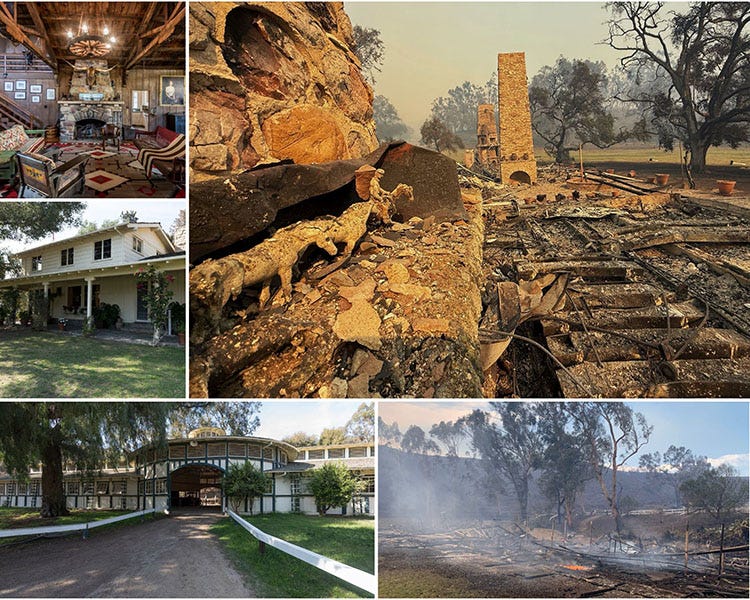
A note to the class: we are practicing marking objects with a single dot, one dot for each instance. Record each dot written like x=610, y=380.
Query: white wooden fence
x=361, y=579
x=4, y=533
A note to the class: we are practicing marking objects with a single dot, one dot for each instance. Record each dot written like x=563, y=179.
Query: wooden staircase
x=12, y=113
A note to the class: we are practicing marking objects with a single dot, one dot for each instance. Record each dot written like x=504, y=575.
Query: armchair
x=110, y=132
x=42, y=175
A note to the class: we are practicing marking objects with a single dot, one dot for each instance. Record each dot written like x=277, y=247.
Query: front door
x=142, y=307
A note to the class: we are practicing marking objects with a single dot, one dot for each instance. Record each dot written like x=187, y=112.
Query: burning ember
x=576, y=567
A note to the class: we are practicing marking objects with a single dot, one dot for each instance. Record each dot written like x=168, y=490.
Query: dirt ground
x=175, y=557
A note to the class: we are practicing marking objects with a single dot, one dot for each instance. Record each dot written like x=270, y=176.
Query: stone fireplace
x=76, y=115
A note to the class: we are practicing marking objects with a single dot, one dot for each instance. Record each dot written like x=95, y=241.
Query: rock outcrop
x=274, y=81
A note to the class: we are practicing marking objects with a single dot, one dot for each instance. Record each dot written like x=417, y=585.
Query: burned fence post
x=721, y=551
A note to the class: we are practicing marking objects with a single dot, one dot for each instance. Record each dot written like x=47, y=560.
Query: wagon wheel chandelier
x=85, y=44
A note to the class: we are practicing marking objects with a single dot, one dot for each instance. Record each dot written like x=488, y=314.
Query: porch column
x=46, y=290
x=89, y=293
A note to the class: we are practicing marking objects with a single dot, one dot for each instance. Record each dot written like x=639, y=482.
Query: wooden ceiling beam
x=39, y=24
x=173, y=20
x=13, y=29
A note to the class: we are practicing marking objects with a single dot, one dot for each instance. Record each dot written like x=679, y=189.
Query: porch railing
x=356, y=577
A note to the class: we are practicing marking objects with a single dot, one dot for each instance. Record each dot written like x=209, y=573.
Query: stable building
x=187, y=472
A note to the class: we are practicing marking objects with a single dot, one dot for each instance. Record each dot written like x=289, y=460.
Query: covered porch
x=74, y=296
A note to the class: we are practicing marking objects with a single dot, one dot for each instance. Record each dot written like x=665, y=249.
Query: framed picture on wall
x=35, y=89
x=8, y=86
x=20, y=95
x=50, y=93
x=172, y=90
x=35, y=99
x=20, y=84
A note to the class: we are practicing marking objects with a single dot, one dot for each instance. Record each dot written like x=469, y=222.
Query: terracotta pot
x=662, y=178
x=651, y=179
x=181, y=338
x=610, y=171
x=726, y=187
x=631, y=173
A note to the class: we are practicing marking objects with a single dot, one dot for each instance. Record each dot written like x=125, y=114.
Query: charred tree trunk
x=53, y=494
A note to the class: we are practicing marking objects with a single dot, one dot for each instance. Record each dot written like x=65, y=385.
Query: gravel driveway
x=171, y=557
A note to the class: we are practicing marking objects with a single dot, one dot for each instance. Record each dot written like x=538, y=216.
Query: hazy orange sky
x=431, y=47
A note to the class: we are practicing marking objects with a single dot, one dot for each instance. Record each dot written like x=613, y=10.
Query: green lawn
x=47, y=365
x=276, y=574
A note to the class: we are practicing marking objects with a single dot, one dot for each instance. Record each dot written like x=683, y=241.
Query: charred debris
x=604, y=285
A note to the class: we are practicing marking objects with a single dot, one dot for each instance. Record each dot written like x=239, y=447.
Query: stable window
x=119, y=487
x=71, y=488
x=269, y=486
x=296, y=505
x=36, y=263
x=368, y=484
x=103, y=249
x=34, y=488
x=268, y=453
x=88, y=488
x=161, y=486
x=253, y=450
x=66, y=257
x=2, y=489
x=315, y=454
x=138, y=245
x=357, y=452
x=177, y=451
x=149, y=486
x=11, y=488
x=102, y=487
x=294, y=485
x=336, y=453
x=22, y=489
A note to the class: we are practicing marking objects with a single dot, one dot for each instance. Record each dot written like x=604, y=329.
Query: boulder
x=272, y=81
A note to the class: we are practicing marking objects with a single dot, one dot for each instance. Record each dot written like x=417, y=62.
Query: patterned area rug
x=111, y=174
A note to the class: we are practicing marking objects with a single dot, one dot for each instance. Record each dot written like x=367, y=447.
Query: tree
x=331, y=436
x=436, y=133
x=701, y=54
x=34, y=220
x=87, y=227
x=369, y=49
x=333, y=485
x=128, y=216
x=568, y=107
x=611, y=434
x=388, y=434
x=449, y=434
x=243, y=482
x=512, y=446
x=415, y=441
x=361, y=425
x=565, y=469
x=300, y=439
x=458, y=110
x=84, y=433
x=676, y=466
x=717, y=491
x=236, y=418
x=388, y=125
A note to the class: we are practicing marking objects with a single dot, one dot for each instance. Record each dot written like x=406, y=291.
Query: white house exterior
x=81, y=272
x=188, y=472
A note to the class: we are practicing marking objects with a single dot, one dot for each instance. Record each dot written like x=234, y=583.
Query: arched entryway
x=520, y=177
x=196, y=486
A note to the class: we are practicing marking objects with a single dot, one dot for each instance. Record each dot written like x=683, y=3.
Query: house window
x=141, y=304
x=368, y=484
x=119, y=487
x=161, y=486
x=66, y=257
x=71, y=488
x=88, y=488
x=36, y=263
x=138, y=245
x=149, y=486
x=357, y=452
x=336, y=453
x=102, y=487
x=22, y=489
x=34, y=488
x=269, y=486
x=294, y=485
x=296, y=505
x=103, y=249
x=315, y=454
x=2, y=489
x=11, y=488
